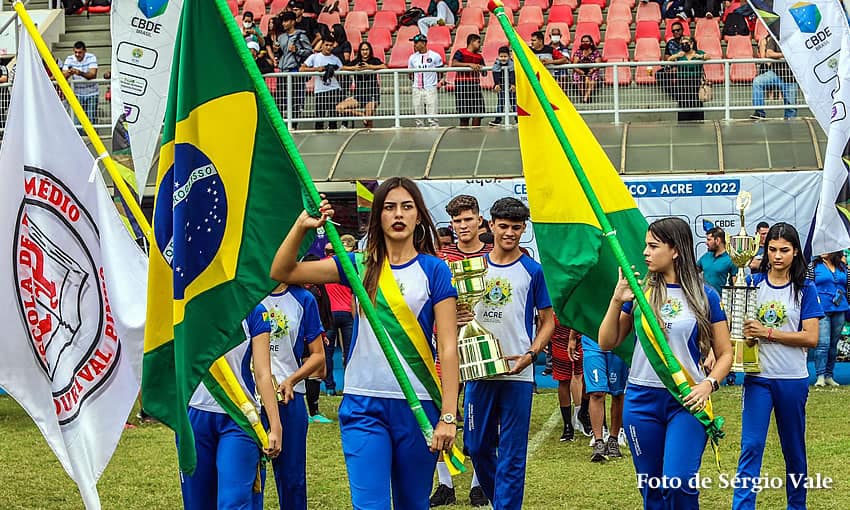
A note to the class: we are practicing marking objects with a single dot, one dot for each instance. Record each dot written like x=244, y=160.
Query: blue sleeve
x=699, y=262
x=311, y=324
x=810, y=303
x=343, y=280
x=539, y=290
x=258, y=321
x=440, y=281
x=627, y=307
x=715, y=311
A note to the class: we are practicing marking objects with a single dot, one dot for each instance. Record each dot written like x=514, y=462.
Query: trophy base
x=746, y=358
x=480, y=357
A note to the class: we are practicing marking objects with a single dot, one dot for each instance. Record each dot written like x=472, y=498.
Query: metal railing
x=621, y=88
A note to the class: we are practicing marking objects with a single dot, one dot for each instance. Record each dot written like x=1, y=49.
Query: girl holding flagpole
x=788, y=312
x=387, y=459
x=665, y=439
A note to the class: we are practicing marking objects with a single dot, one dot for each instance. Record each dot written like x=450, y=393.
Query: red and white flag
x=72, y=284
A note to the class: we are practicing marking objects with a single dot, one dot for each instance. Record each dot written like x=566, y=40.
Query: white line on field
x=541, y=436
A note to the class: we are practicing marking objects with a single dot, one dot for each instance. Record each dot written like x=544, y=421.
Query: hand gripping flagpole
x=497, y=8
x=66, y=89
x=312, y=201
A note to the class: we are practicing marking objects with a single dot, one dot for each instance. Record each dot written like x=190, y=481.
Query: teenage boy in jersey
x=293, y=316
x=498, y=410
x=466, y=218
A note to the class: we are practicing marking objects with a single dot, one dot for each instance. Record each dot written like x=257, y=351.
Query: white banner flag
x=72, y=284
x=143, y=34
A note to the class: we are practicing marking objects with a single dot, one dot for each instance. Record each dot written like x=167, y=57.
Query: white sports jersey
x=239, y=359
x=778, y=309
x=514, y=293
x=680, y=327
x=427, y=60
x=293, y=316
x=424, y=282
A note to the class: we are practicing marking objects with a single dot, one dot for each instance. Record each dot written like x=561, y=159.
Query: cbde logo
x=153, y=8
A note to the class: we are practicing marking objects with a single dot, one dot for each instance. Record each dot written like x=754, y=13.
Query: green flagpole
x=497, y=8
x=312, y=200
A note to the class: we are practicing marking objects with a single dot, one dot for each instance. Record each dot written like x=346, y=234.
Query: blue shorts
x=604, y=372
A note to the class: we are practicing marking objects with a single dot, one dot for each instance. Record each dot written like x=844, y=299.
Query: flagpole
x=268, y=104
x=497, y=8
x=77, y=108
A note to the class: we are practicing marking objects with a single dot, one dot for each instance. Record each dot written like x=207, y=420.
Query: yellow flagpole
x=108, y=162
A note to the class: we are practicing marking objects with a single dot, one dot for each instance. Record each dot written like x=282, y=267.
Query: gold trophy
x=479, y=352
x=739, y=299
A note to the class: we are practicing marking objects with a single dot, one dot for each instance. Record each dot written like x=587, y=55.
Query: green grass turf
x=143, y=473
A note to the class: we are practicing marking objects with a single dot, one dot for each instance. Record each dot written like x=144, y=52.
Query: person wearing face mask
x=549, y=55
x=556, y=40
x=688, y=79
x=250, y=30
x=585, y=78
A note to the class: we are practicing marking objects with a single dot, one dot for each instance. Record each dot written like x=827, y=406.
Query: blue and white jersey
x=424, y=281
x=293, y=316
x=680, y=327
x=777, y=308
x=239, y=359
x=513, y=294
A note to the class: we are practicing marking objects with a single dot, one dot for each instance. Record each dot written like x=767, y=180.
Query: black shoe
x=495, y=122
x=730, y=380
x=612, y=448
x=584, y=419
x=599, y=451
x=569, y=434
x=547, y=371
x=444, y=495
x=331, y=393
x=477, y=497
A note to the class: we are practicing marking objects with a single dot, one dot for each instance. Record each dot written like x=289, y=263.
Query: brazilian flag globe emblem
x=153, y=8
x=227, y=193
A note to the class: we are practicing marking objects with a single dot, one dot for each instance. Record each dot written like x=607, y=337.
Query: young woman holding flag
x=788, y=312
x=665, y=438
x=411, y=288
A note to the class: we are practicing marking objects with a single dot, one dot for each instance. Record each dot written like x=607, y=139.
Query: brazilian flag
x=227, y=194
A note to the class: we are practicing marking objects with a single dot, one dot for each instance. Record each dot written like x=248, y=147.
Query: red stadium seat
x=761, y=31
x=234, y=7
x=406, y=33
x=561, y=14
x=343, y=8
x=422, y=4
x=618, y=31
x=711, y=47
x=647, y=30
x=396, y=6
x=565, y=32
x=240, y=2
x=370, y=7
x=461, y=34
x=400, y=54
x=616, y=50
x=524, y=30
x=490, y=52
x=476, y=4
x=740, y=46
x=591, y=29
x=630, y=3
x=357, y=20
x=354, y=37
x=257, y=7
x=440, y=36
x=513, y=5
x=329, y=18
x=668, y=28
x=649, y=11
x=495, y=36
x=531, y=15
x=439, y=50
x=472, y=16
x=381, y=40
x=385, y=19
x=543, y=4
x=646, y=50
x=589, y=13
x=600, y=3
x=277, y=5
x=619, y=12
x=573, y=4
x=707, y=28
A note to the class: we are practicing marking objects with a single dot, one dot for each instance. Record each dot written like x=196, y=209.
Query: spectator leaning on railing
x=468, y=97
x=79, y=68
x=556, y=40
x=367, y=91
x=666, y=76
x=424, y=89
x=689, y=79
x=328, y=90
x=548, y=55
x=585, y=78
x=504, y=76
x=774, y=75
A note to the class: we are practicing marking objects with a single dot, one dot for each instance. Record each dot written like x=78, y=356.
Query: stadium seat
x=531, y=15
x=381, y=40
x=589, y=13
x=630, y=3
x=543, y=4
x=476, y=4
x=649, y=11
x=370, y=7
x=616, y=50
x=472, y=16
x=436, y=48
x=422, y=4
x=740, y=46
x=618, y=31
x=600, y=3
x=385, y=19
x=460, y=37
x=495, y=36
x=277, y=5
x=588, y=28
x=513, y=5
x=396, y=6
x=329, y=18
x=344, y=8
x=234, y=7
x=647, y=30
x=257, y=7
x=490, y=52
x=619, y=12
x=711, y=47
x=761, y=31
x=406, y=33
x=441, y=36
x=354, y=37
x=524, y=30
x=561, y=14
x=707, y=28
x=401, y=54
x=357, y=20
x=572, y=4
x=565, y=32
x=668, y=28
x=646, y=50
x=240, y=2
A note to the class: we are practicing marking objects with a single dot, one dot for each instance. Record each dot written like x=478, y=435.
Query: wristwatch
x=448, y=418
x=714, y=384
x=533, y=355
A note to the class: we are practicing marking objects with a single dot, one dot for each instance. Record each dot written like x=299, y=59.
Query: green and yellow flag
x=580, y=267
x=227, y=193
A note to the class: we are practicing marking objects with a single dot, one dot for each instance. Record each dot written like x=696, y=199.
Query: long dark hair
x=835, y=258
x=358, y=58
x=797, y=271
x=675, y=233
x=424, y=239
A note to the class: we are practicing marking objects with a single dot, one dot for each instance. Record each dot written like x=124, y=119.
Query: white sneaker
x=831, y=382
x=605, y=433
x=621, y=438
x=820, y=383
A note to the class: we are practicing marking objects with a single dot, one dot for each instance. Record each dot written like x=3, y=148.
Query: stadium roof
x=634, y=148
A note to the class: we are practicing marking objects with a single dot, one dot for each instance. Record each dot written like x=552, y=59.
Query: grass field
x=143, y=473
